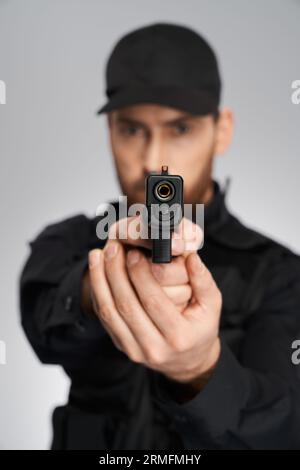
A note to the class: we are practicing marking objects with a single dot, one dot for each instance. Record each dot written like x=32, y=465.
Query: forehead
x=150, y=114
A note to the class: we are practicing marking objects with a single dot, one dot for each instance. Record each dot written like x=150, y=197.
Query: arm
x=54, y=295
x=251, y=401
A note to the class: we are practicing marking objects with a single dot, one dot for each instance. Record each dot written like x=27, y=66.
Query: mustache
x=140, y=186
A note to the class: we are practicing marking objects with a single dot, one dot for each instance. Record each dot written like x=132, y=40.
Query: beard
x=196, y=193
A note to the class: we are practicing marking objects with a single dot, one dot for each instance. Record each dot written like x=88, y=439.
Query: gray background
x=55, y=158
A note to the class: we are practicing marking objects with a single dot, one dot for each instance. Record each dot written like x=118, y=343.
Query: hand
x=187, y=237
x=145, y=324
x=172, y=276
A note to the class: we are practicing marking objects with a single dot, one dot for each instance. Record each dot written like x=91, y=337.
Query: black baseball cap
x=165, y=64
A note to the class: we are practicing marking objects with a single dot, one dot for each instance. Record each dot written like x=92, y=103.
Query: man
x=191, y=354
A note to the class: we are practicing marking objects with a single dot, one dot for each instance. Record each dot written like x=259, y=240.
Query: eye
x=181, y=128
x=130, y=130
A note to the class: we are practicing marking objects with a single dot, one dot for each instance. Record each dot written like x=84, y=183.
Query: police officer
x=191, y=354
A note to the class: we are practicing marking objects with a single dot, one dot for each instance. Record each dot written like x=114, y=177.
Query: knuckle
x=136, y=357
x=152, y=302
x=179, y=343
x=154, y=357
x=106, y=313
x=124, y=307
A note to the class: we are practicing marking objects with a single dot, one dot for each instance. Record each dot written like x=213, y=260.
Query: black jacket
x=252, y=400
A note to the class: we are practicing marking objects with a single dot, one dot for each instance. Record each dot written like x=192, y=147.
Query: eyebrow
x=128, y=120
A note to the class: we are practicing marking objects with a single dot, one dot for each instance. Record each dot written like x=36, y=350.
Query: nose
x=153, y=154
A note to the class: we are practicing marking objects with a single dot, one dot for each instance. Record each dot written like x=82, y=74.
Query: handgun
x=164, y=208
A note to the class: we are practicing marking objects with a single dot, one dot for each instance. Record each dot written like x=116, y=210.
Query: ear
x=224, y=131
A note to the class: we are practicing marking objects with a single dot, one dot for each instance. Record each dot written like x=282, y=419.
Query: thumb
x=205, y=290
x=187, y=238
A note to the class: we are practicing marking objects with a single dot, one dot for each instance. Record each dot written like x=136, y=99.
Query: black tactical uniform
x=252, y=400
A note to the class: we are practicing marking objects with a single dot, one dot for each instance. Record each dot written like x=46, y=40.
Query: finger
x=105, y=307
x=156, y=303
x=114, y=339
x=182, y=307
x=179, y=294
x=204, y=289
x=187, y=237
x=170, y=274
x=130, y=231
x=134, y=232
x=127, y=303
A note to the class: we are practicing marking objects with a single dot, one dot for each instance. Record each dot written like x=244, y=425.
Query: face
x=146, y=136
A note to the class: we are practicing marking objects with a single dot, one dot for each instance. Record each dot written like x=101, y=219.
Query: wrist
x=207, y=368
x=183, y=390
x=212, y=358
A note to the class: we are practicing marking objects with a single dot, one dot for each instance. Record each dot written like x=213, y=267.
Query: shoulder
x=252, y=267
x=73, y=230
x=237, y=235
x=256, y=252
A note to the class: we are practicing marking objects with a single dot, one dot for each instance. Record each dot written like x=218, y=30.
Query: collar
x=219, y=224
x=225, y=228
x=216, y=212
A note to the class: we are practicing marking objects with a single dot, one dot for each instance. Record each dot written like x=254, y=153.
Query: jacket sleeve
x=251, y=401
x=50, y=290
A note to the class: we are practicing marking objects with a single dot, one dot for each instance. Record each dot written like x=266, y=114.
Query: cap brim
x=189, y=100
